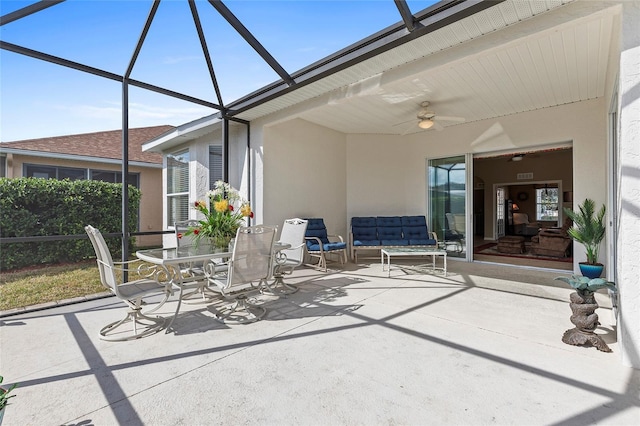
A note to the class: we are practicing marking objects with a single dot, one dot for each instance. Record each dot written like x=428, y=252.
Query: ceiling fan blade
x=410, y=129
x=403, y=122
x=438, y=126
x=449, y=118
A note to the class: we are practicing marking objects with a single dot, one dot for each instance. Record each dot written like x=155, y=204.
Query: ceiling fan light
x=425, y=124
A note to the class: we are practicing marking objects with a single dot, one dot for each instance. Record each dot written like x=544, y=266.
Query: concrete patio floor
x=352, y=347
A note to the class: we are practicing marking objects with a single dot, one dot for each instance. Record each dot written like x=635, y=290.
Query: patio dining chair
x=131, y=293
x=321, y=244
x=250, y=266
x=286, y=260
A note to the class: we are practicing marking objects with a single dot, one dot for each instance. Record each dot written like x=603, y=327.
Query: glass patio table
x=169, y=261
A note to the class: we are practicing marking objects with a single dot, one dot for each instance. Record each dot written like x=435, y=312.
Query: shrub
x=41, y=207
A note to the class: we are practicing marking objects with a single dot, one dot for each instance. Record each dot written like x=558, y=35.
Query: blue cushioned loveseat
x=373, y=233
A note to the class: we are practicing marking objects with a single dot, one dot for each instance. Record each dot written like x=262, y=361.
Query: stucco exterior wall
x=628, y=177
x=150, y=186
x=305, y=174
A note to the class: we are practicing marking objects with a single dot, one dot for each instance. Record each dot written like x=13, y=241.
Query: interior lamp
x=425, y=124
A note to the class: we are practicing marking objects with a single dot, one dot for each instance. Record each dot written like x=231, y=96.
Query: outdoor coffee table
x=390, y=252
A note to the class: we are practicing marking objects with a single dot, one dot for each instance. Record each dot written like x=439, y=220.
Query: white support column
x=628, y=244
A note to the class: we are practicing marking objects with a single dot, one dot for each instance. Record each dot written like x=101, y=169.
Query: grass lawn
x=32, y=286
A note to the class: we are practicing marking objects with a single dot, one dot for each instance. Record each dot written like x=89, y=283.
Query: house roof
x=102, y=145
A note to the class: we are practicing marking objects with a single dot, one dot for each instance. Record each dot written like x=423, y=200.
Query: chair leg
x=245, y=311
x=278, y=287
x=149, y=325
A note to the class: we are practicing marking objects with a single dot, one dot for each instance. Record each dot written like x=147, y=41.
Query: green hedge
x=35, y=207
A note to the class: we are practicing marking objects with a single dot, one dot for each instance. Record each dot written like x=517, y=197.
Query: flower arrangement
x=226, y=213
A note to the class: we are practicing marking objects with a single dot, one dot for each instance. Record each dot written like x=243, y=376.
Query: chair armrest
x=336, y=236
x=315, y=240
x=434, y=236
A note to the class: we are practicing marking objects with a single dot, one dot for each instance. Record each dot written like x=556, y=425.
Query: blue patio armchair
x=321, y=244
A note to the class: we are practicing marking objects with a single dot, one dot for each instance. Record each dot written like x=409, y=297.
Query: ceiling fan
x=427, y=119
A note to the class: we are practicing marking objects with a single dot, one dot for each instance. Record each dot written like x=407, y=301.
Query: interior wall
x=305, y=174
x=554, y=166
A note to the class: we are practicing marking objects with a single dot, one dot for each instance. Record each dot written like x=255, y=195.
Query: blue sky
x=38, y=99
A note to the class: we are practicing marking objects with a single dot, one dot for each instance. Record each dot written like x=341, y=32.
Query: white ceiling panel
x=537, y=63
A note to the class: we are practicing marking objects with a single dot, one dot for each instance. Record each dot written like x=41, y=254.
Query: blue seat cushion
x=423, y=242
x=363, y=222
x=386, y=221
x=414, y=221
x=366, y=242
x=314, y=246
x=398, y=242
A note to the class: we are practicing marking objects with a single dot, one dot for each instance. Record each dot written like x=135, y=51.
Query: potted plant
x=583, y=306
x=588, y=229
x=4, y=397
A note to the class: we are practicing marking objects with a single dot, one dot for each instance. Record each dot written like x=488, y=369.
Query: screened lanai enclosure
x=215, y=26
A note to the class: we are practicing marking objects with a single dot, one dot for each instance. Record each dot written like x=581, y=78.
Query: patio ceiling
x=545, y=60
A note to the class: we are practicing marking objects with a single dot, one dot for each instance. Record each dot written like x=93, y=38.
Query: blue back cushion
x=386, y=221
x=414, y=221
x=391, y=236
x=365, y=237
x=316, y=228
x=363, y=222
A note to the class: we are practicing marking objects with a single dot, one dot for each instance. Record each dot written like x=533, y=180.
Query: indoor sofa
x=374, y=233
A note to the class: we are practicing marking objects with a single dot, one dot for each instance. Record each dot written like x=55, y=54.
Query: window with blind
x=547, y=203
x=177, y=187
x=215, y=164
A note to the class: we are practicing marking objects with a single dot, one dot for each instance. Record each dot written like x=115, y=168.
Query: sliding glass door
x=447, y=179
